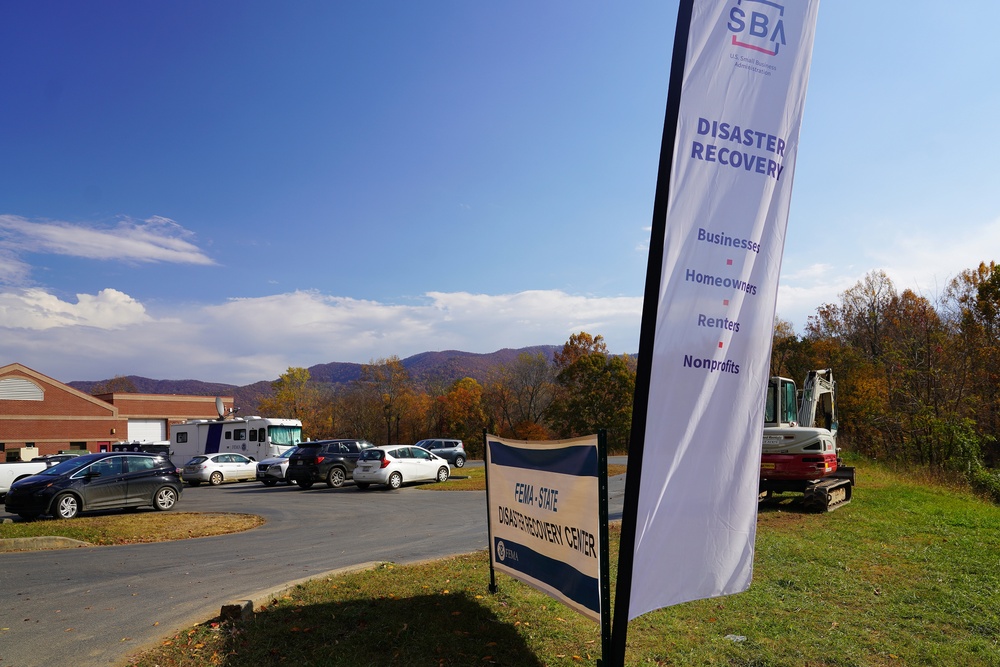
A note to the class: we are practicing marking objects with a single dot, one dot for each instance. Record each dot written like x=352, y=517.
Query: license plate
x=767, y=466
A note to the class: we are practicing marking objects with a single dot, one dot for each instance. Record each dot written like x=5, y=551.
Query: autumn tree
x=295, y=397
x=464, y=418
x=387, y=385
x=420, y=419
x=595, y=391
x=359, y=412
x=972, y=307
x=518, y=395
x=579, y=345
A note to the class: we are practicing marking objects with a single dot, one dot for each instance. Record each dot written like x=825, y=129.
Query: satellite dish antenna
x=220, y=407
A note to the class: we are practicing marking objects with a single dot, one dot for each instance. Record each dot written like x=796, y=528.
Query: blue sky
x=221, y=190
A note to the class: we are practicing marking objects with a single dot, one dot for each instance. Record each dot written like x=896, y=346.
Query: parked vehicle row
x=117, y=480
x=331, y=462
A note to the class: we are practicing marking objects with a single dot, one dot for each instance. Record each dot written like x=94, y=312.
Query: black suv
x=330, y=461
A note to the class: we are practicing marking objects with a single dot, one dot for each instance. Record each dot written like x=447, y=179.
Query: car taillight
x=385, y=462
x=319, y=459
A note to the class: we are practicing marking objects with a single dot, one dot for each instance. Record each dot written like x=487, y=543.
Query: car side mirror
x=92, y=475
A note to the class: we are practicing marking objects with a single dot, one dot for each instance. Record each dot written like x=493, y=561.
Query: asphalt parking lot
x=102, y=604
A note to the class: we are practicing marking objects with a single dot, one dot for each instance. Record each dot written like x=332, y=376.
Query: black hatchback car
x=330, y=461
x=109, y=480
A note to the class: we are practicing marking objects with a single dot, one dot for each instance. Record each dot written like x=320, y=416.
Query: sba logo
x=757, y=25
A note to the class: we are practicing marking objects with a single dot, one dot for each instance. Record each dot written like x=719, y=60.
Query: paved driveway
x=97, y=605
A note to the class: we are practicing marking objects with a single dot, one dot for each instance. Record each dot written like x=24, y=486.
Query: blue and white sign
x=544, y=523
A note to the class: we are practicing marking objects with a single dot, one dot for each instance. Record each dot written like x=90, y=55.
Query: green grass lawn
x=134, y=527
x=907, y=574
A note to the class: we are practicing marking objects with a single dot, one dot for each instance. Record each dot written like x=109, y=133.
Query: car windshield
x=288, y=452
x=197, y=459
x=67, y=466
x=371, y=455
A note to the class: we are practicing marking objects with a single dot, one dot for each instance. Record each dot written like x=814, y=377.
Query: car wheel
x=269, y=482
x=67, y=506
x=164, y=499
x=442, y=474
x=459, y=462
x=304, y=483
x=194, y=482
x=362, y=485
x=215, y=478
x=395, y=481
x=335, y=478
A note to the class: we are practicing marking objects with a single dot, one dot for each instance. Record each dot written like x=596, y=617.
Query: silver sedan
x=218, y=468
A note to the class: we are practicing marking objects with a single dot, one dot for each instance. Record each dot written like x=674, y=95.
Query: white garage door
x=147, y=430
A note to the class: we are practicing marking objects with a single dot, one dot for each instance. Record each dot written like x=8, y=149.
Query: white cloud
x=922, y=260
x=12, y=270
x=249, y=339
x=246, y=340
x=37, y=310
x=926, y=261
x=156, y=239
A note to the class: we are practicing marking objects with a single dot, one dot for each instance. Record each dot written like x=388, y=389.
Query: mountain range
x=427, y=370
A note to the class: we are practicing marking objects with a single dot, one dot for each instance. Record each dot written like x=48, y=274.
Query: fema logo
x=757, y=25
x=501, y=551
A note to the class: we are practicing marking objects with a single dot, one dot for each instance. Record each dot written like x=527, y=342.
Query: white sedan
x=218, y=468
x=395, y=464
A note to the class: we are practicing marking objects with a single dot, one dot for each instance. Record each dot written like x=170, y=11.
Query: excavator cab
x=781, y=406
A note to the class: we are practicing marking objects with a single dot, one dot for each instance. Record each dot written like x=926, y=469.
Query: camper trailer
x=256, y=437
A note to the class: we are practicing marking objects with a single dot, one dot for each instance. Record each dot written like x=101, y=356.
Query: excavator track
x=828, y=494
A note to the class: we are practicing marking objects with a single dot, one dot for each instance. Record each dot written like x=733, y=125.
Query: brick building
x=37, y=411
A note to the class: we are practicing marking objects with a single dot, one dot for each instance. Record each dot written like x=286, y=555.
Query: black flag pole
x=640, y=404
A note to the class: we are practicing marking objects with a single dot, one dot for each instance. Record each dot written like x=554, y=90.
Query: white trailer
x=256, y=437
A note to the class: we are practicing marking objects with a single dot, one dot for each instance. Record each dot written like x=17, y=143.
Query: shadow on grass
x=445, y=629
x=789, y=502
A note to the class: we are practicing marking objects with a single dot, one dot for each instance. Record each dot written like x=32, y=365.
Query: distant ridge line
x=427, y=369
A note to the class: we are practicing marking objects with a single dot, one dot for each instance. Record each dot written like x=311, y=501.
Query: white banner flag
x=741, y=102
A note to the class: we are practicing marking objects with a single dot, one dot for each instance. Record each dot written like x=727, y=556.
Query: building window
x=20, y=389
